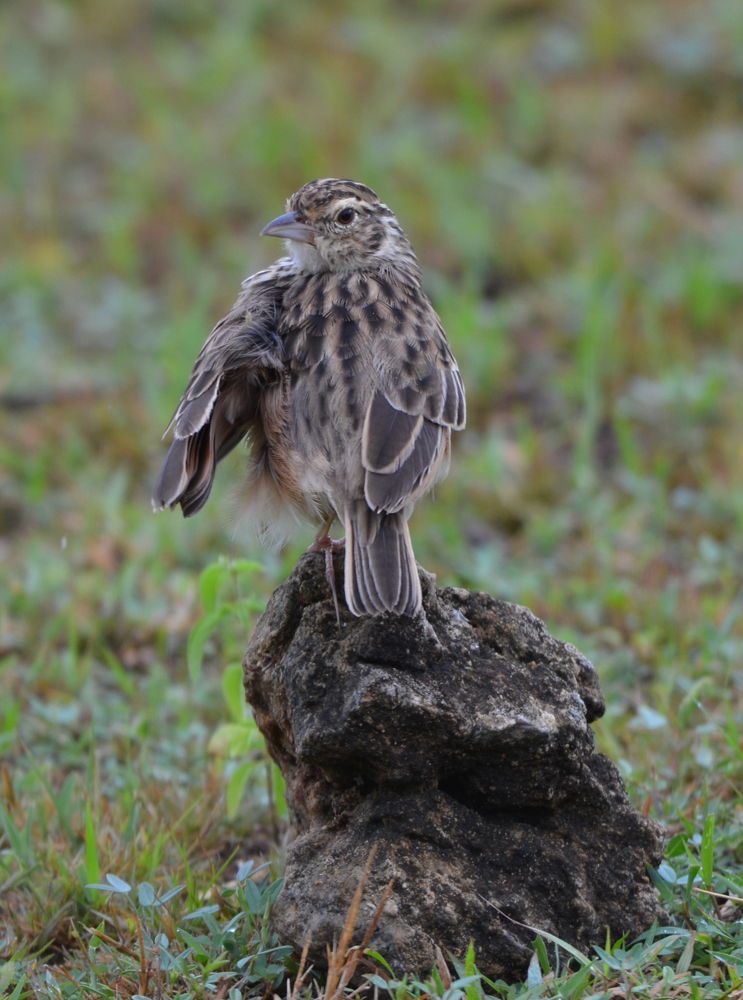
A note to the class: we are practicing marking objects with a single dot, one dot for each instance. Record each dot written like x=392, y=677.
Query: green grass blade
x=91, y=848
x=708, y=850
x=14, y=837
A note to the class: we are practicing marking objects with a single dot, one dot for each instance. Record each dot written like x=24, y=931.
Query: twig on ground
x=112, y=942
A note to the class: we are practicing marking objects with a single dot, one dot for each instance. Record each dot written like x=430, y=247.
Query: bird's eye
x=345, y=216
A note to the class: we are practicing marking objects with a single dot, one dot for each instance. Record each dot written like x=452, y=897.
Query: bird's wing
x=241, y=355
x=407, y=425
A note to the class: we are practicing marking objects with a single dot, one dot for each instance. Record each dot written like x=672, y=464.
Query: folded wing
x=406, y=434
x=404, y=448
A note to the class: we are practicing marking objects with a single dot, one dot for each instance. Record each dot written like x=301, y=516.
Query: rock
x=459, y=742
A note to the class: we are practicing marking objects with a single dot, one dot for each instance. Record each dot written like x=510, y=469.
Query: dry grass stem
x=719, y=895
x=443, y=968
x=341, y=965
x=300, y=971
x=354, y=955
x=144, y=974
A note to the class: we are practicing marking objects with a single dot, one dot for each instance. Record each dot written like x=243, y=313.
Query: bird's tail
x=381, y=572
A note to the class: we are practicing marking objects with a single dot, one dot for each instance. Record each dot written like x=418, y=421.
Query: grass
x=570, y=174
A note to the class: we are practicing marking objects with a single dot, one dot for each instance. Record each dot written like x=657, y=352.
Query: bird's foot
x=324, y=543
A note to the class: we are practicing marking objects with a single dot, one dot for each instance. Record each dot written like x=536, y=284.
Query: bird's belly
x=293, y=452
x=316, y=486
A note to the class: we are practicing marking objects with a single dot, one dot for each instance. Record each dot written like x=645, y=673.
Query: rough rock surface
x=459, y=742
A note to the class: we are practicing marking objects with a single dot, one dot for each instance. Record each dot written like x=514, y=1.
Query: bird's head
x=341, y=225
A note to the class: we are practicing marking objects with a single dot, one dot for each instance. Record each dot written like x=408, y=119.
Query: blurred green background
x=570, y=173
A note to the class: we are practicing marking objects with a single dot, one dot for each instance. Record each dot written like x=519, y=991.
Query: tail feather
x=381, y=572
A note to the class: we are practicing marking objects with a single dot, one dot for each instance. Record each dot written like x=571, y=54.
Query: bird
x=335, y=366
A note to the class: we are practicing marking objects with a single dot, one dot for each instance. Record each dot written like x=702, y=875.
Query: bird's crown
x=317, y=197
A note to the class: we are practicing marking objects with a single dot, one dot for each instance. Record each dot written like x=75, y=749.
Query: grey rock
x=459, y=742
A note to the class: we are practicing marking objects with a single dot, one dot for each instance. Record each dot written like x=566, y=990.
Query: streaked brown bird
x=336, y=367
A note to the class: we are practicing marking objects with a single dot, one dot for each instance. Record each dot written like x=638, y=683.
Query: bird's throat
x=306, y=257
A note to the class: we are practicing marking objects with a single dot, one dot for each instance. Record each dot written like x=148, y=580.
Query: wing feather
x=241, y=355
x=391, y=491
x=389, y=435
x=195, y=408
x=419, y=401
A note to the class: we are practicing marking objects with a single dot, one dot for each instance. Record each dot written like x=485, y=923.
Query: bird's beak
x=290, y=228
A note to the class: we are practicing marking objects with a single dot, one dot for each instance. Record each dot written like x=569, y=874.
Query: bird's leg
x=324, y=543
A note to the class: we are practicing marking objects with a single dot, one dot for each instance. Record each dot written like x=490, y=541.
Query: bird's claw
x=325, y=544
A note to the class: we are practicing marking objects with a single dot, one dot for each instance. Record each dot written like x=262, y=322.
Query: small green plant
x=139, y=943
x=229, y=604
x=241, y=747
